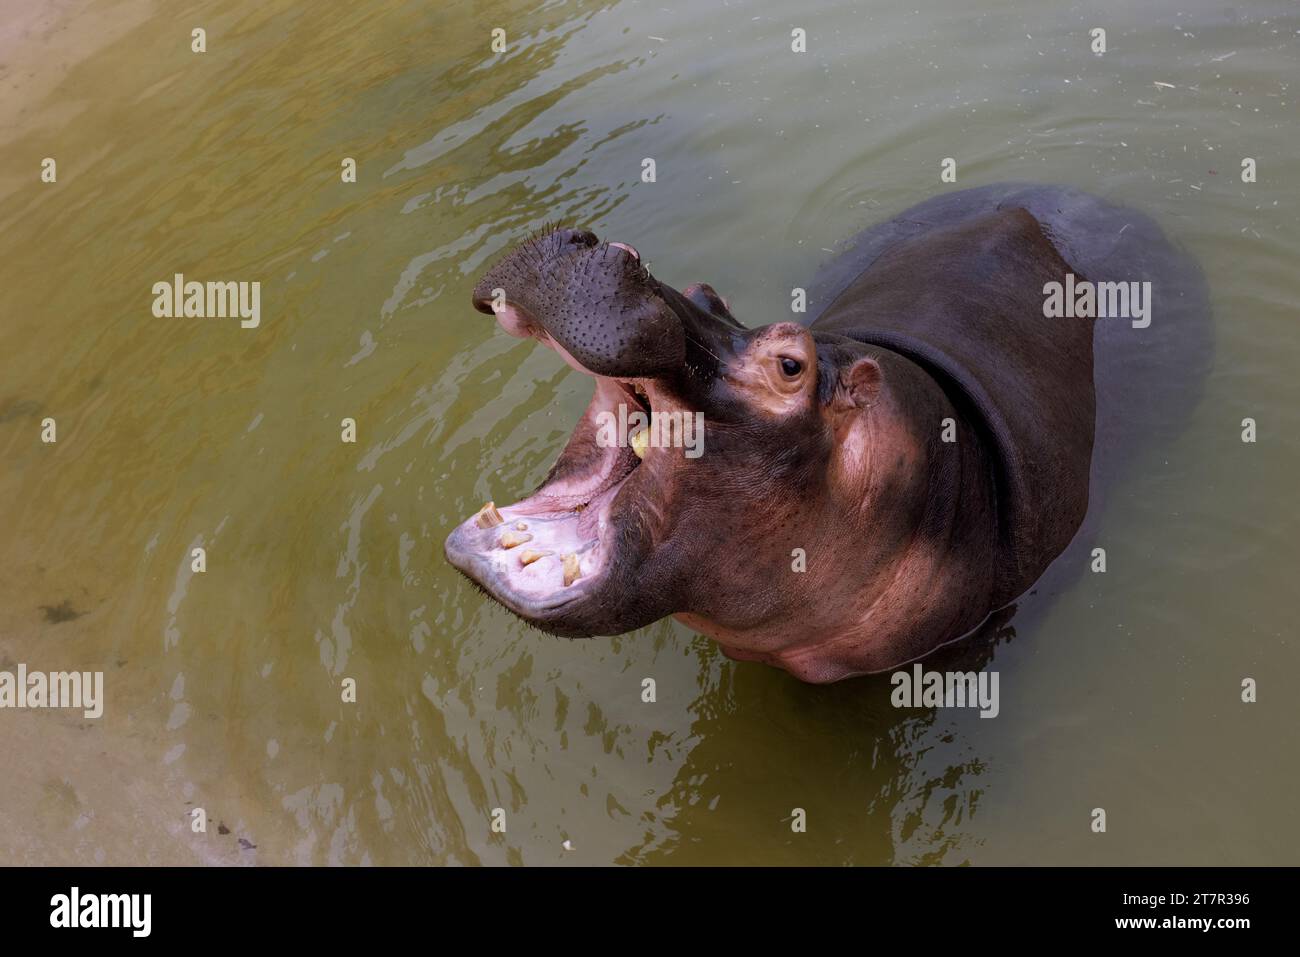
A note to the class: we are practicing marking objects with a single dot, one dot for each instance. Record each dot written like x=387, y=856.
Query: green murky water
x=324, y=558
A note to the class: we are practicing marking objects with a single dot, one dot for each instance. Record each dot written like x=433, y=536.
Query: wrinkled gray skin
x=826, y=444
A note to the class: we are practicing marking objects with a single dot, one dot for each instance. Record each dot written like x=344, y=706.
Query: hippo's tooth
x=522, y=526
x=572, y=572
x=511, y=539
x=528, y=556
x=488, y=516
x=639, y=442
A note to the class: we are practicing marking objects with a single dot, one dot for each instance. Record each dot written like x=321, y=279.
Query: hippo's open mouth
x=581, y=556
x=559, y=546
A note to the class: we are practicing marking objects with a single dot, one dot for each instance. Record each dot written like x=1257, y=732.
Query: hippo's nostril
x=581, y=237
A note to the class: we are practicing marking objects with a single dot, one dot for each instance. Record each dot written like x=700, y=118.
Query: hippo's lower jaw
x=561, y=557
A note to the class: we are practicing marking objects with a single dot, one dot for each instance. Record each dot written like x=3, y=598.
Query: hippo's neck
x=992, y=435
x=941, y=578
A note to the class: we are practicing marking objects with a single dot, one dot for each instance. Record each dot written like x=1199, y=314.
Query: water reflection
x=878, y=784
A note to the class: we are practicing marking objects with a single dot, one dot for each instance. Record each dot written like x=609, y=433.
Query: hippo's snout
x=593, y=300
x=556, y=242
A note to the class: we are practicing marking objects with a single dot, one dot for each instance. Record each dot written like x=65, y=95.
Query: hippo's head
x=622, y=533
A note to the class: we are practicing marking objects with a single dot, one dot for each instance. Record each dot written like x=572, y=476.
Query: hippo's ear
x=860, y=384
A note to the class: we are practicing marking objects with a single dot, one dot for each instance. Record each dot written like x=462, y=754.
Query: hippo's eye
x=790, y=367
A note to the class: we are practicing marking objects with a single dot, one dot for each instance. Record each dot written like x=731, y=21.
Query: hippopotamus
x=873, y=482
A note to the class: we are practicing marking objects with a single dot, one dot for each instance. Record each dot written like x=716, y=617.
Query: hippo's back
x=1146, y=379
